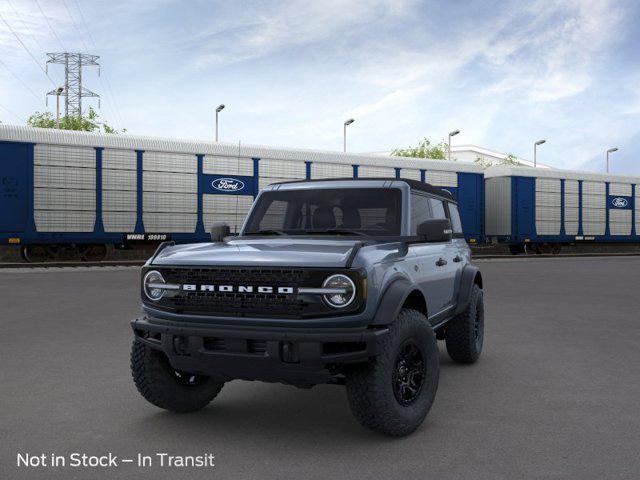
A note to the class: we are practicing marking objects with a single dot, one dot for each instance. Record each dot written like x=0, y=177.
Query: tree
x=86, y=123
x=425, y=149
x=510, y=159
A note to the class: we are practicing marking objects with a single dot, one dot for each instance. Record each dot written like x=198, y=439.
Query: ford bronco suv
x=348, y=282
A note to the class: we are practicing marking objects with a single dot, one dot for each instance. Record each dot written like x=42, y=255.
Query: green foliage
x=425, y=149
x=87, y=123
x=510, y=159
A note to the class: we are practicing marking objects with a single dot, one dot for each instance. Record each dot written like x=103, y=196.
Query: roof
x=413, y=184
x=511, y=171
x=18, y=133
x=492, y=153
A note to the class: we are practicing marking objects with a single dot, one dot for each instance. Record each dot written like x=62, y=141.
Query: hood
x=294, y=252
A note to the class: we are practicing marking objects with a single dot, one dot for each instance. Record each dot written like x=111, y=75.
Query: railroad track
x=138, y=263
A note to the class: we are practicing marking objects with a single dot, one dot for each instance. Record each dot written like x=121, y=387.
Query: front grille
x=243, y=304
x=238, y=304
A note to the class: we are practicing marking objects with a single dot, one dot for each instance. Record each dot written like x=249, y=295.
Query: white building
x=469, y=153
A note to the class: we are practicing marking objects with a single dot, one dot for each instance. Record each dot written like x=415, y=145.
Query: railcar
x=540, y=210
x=68, y=194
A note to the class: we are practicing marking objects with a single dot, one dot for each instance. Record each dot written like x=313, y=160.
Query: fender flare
x=392, y=300
x=467, y=279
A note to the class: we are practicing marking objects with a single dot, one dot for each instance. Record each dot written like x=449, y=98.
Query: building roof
x=493, y=153
x=511, y=171
x=17, y=133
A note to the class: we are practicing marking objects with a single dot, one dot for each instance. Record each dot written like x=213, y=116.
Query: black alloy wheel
x=408, y=374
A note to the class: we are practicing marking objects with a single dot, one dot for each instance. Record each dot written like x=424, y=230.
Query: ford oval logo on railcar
x=228, y=184
x=620, y=202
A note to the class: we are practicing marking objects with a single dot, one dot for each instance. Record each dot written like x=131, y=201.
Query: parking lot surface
x=555, y=394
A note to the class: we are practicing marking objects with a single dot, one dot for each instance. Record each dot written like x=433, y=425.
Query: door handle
x=457, y=258
x=441, y=262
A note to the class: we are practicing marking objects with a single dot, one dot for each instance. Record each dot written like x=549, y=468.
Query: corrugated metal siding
x=169, y=162
x=170, y=222
x=571, y=207
x=498, y=206
x=411, y=174
x=214, y=164
x=594, y=204
x=64, y=188
x=149, y=144
x=331, y=170
x=548, y=210
x=169, y=182
x=170, y=192
x=231, y=209
x=365, y=171
x=441, y=179
x=119, y=196
x=620, y=189
x=637, y=208
x=619, y=221
x=274, y=171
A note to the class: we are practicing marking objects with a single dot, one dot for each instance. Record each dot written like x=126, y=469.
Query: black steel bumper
x=303, y=357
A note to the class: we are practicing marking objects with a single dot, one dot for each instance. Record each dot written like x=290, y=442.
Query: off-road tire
x=162, y=386
x=464, y=334
x=370, y=387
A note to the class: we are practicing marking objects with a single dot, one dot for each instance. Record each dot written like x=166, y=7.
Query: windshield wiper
x=266, y=232
x=338, y=231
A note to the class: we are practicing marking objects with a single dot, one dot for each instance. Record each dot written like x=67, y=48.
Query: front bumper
x=298, y=356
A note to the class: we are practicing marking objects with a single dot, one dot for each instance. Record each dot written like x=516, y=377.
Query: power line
x=27, y=49
x=110, y=97
x=12, y=113
x=26, y=27
x=85, y=23
x=20, y=80
x=28, y=30
x=50, y=27
x=73, y=22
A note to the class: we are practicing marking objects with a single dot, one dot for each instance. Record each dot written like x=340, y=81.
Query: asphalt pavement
x=556, y=393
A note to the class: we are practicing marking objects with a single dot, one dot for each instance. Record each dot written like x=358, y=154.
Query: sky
x=505, y=73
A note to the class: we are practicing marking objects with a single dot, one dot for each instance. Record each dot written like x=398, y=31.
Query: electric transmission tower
x=73, y=89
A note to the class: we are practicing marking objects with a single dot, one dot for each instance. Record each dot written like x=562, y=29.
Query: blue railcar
x=541, y=210
x=66, y=192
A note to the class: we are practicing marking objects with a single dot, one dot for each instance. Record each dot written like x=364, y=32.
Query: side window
x=420, y=211
x=437, y=208
x=456, y=223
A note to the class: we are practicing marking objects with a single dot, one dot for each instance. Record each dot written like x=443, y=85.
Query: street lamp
x=219, y=108
x=611, y=150
x=451, y=134
x=535, y=152
x=344, y=135
x=59, y=91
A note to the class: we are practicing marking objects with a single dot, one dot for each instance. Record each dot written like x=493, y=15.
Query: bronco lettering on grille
x=237, y=289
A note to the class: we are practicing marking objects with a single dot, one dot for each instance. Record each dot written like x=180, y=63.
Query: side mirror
x=219, y=230
x=435, y=230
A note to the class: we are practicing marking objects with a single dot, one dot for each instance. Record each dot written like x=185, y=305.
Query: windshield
x=351, y=211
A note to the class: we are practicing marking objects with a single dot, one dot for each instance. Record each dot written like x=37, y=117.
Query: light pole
x=611, y=150
x=451, y=134
x=219, y=108
x=59, y=91
x=535, y=152
x=344, y=133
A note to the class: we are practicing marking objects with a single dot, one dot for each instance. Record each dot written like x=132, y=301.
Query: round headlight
x=150, y=282
x=345, y=291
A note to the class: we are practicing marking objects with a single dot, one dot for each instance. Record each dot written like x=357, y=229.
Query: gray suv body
x=332, y=281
